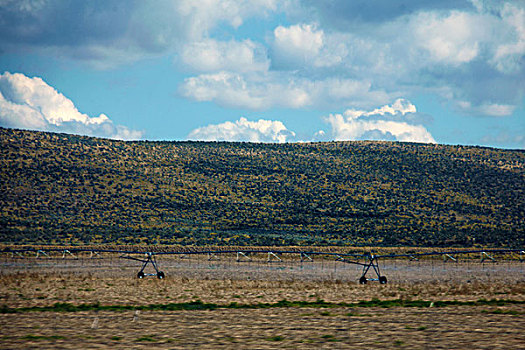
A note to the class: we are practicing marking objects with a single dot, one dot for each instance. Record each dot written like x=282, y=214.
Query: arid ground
x=26, y=284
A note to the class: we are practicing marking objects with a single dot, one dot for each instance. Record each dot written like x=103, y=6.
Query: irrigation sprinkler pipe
x=371, y=259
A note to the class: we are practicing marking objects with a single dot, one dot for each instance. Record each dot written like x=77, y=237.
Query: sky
x=448, y=72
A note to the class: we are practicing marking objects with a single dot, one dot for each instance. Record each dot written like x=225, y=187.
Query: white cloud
x=111, y=32
x=389, y=122
x=508, y=56
x=494, y=34
x=497, y=110
x=379, y=124
x=488, y=109
x=278, y=90
x=400, y=106
x=224, y=88
x=453, y=39
x=203, y=15
x=299, y=40
x=332, y=55
x=30, y=103
x=244, y=130
x=473, y=52
x=212, y=56
x=304, y=46
x=296, y=45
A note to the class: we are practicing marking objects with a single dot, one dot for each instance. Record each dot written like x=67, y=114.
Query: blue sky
x=448, y=72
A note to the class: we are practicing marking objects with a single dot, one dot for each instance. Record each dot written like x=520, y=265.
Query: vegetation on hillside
x=58, y=188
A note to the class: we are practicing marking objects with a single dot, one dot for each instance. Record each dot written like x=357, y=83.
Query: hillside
x=58, y=188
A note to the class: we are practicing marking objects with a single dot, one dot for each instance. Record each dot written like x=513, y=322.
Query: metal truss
x=149, y=258
x=369, y=261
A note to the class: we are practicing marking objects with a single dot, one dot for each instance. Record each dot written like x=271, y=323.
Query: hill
x=58, y=188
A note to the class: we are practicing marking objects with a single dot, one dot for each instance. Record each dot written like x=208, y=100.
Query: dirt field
x=44, y=282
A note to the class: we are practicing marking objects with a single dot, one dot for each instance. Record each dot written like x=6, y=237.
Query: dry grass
x=45, y=282
x=459, y=327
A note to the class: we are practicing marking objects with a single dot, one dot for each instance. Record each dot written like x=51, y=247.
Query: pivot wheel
x=140, y=274
x=160, y=275
x=362, y=280
x=382, y=279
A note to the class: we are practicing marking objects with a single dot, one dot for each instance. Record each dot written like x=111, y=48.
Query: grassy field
x=224, y=304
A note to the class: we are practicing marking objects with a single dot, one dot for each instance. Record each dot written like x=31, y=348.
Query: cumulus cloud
x=106, y=33
x=452, y=39
x=225, y=88
x=473, y=50
x=303, y=46
x=212, y=55
x=296, y=45
x=488, y=109
x=277, y=90
x=345, y=15
x=462, y=51
x=395, y=122
x=495, y=35
x=202, y=16
x=384, y=123
x=30, y=103
x=508, y=56
x=244, y=130
x=400, y=106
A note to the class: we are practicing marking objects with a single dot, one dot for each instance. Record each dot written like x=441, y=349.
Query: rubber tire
x=160, y=275
x=362, y=280
x=382, y=280
x=140, y=274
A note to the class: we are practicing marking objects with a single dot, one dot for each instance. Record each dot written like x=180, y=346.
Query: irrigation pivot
x=369, y=260
x=149, y=258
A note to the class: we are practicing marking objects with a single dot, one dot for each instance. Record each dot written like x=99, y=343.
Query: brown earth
x=43, y=282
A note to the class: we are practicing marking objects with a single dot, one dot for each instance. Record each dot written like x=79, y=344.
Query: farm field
x=325, y=306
